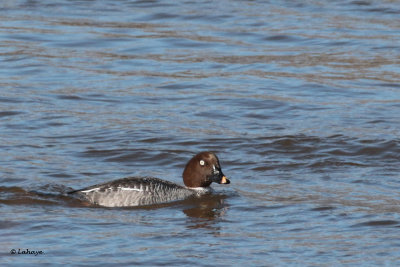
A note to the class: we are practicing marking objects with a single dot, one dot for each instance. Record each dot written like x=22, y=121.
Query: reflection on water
x=210, y=207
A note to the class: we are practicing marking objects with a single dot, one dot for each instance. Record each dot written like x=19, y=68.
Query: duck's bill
x=224, y=180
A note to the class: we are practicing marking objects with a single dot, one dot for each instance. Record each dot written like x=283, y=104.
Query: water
x=299, y=99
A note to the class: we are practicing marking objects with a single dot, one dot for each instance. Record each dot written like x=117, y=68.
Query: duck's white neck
x=201, y=190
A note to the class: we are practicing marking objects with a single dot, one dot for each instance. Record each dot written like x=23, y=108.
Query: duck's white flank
x=130, y=189
x=90, y=190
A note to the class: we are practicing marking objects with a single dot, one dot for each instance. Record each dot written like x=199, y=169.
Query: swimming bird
x=201, y=170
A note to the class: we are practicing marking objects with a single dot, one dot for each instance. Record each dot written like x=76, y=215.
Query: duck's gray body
x=199, y=173
x=134, y=191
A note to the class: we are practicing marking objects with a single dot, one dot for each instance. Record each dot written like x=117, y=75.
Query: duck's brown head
x=202, y=170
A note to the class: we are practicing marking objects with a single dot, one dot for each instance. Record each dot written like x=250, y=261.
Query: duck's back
x=134, y=191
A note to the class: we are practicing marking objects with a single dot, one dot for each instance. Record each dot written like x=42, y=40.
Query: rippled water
x=300, y=100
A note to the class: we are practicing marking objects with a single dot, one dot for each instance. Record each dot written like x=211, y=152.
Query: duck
x=200, y=171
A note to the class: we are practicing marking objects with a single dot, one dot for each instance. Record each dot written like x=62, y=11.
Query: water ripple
x=299, y=100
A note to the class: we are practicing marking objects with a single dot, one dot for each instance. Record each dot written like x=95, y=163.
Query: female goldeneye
x=199, y=173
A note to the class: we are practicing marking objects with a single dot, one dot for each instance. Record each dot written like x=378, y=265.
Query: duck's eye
x=202, y=162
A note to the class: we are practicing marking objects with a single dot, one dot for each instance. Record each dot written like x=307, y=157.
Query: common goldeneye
x=199, y=173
